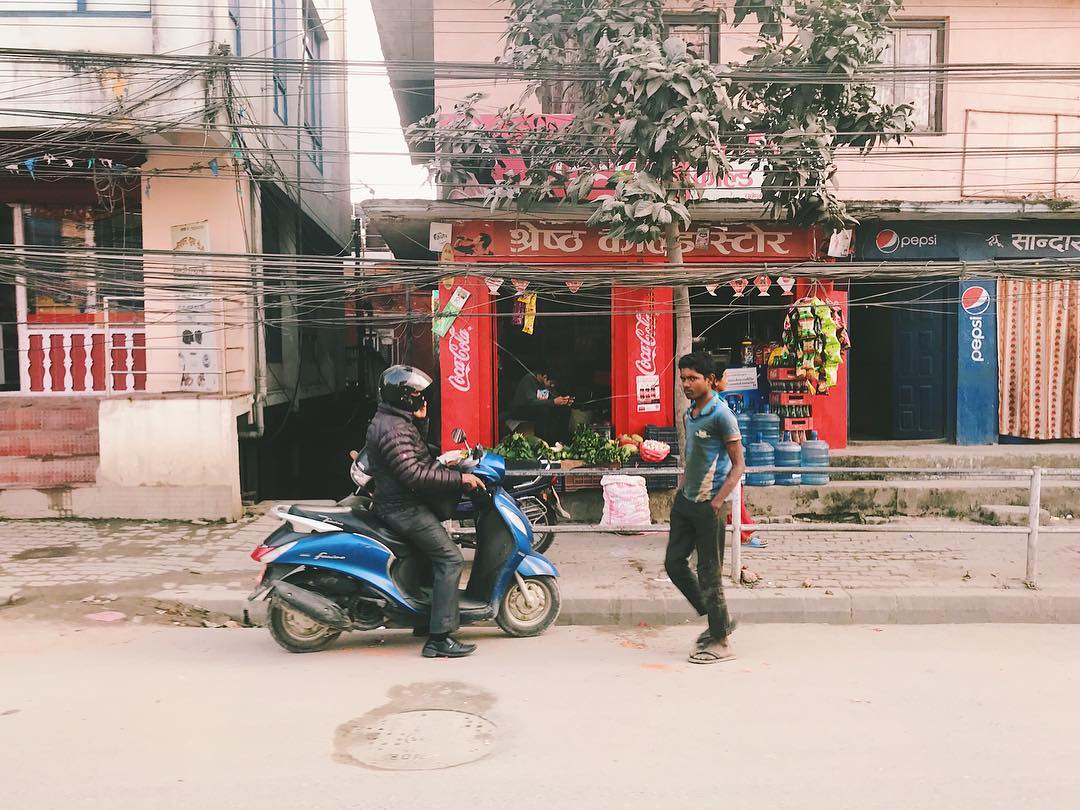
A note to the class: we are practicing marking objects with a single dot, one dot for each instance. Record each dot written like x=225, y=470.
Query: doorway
x=571, y=340
x=902, y=369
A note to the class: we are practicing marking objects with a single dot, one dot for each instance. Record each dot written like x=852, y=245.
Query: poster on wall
x=199, y=368
x=194, y=237
x=648, y=393
x=196, y=321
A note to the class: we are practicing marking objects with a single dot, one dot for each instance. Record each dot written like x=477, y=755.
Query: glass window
x=917, y=43
x=700, y=32
x=234, y=18
x=314, y=45
x=279, y=24
x=72, y=285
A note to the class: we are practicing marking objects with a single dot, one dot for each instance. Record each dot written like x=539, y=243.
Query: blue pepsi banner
x=977, y=366
x=969, y=241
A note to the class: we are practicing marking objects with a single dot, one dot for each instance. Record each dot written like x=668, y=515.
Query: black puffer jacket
x=405, y=473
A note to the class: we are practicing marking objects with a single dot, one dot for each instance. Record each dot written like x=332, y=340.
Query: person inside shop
x=538, y=407
x=713, y=467
x=406, y=478
x=748, y=538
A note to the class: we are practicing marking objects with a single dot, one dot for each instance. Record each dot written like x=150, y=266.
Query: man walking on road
x=714, y=465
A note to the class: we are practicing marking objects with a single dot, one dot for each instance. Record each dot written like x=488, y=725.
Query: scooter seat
x=358, y=521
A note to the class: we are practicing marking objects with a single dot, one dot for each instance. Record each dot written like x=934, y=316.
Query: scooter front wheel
x=296, y=632
x=529, y=612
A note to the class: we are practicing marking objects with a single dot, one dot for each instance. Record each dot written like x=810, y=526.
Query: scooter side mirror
x=354, y=454
x=457, y=435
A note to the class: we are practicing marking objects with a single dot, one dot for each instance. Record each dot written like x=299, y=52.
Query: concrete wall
x=231, y=218
x=992, y=113
x=156, y=445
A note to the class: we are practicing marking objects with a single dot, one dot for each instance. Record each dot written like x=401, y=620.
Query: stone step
x=48, y=443
x=916, y=454
x=1011, y=515
x=41, y=473
x=22, y=413
x=844, y=500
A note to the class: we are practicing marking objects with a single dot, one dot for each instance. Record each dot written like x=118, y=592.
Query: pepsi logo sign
x=975, y=300
x=889, y=241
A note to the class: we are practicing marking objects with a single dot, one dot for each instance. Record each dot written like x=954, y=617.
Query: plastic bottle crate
x=783, y=374
x=791, y=399
x=668, y=435
x=575, y=483
x=801, y=424
x=657, y=483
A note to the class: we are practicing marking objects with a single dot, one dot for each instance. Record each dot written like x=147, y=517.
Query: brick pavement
x=136, y=556
x=58, y=553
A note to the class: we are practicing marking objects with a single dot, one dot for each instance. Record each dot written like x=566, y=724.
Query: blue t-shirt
x=707, y=461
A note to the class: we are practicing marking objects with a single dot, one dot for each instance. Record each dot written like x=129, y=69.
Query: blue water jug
x=760, y=454
x=788, y=454
x=815, y=453
x=745, y=429
x=767, y=424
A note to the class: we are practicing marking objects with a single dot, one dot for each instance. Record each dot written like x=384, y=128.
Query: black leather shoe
x=450, y=648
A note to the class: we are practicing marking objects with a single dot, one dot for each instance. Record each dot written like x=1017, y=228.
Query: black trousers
x=419, y=526
x=696, y=527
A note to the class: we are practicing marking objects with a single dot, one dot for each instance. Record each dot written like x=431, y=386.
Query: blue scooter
x=339, y=569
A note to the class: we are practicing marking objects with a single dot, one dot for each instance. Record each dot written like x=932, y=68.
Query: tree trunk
x=684, y=331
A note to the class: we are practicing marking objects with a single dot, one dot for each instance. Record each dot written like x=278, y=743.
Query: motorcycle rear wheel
x=539, y=514
x=518, y=619
x=296, y=632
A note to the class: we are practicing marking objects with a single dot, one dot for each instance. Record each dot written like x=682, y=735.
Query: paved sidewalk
x=57, y=565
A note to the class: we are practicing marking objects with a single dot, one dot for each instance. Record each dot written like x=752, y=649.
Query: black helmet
x=403, y=387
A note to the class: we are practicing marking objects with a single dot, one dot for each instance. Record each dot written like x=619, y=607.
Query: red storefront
x=641, y=322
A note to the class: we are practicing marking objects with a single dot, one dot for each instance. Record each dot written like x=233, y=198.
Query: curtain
x=1039, y=358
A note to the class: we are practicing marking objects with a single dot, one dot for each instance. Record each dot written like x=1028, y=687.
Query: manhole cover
x=46, y=553
x=426, y=739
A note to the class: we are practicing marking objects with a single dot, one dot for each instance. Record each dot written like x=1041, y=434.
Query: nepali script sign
x=498, y=241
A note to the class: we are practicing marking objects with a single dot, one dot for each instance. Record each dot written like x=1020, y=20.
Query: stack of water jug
x=766, y=446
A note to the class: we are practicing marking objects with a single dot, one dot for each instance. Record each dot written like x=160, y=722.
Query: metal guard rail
x=1032, y=530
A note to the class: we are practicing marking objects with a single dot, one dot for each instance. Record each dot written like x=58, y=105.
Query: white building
x=134, y=383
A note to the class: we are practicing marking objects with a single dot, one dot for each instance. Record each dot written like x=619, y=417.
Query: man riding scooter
x=407, y=481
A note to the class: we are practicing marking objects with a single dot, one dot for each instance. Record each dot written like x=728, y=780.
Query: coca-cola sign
x=459, y=345
x=645, y=331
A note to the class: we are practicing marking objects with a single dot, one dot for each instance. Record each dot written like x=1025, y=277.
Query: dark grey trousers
x=696, y=527
x=418, y=526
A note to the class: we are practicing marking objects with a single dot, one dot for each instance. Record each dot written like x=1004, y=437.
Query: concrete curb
x=760, y=607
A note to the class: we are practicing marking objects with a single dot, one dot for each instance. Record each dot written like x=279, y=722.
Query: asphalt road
x=808, y=717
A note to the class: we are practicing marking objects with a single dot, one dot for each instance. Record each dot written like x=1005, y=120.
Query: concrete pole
x=1034, y=508
x=736, y=535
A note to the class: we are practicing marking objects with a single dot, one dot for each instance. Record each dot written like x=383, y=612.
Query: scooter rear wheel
x=296, y=632
x=529, y=613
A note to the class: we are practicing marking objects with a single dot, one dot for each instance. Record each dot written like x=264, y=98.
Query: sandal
x=755, y=542
x=714, y=653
